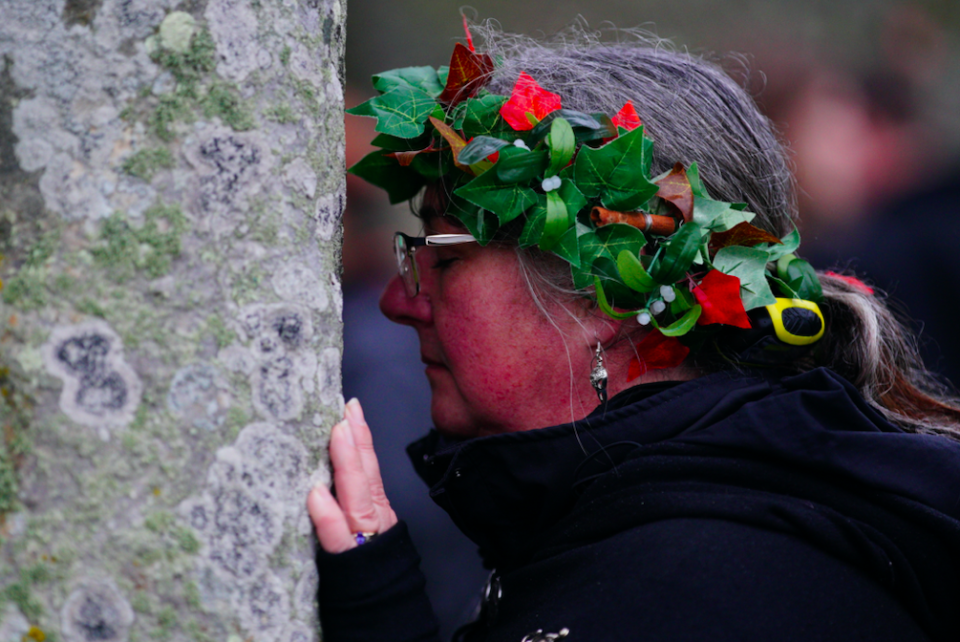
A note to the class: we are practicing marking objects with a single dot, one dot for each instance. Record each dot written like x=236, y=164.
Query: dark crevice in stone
x=80, y=12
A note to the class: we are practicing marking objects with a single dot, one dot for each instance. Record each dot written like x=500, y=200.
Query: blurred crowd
x=879, y=179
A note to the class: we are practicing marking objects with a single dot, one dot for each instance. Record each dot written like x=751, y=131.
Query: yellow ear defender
x=796, y=322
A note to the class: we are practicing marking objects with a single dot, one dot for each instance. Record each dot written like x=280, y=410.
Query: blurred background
x=866, y=93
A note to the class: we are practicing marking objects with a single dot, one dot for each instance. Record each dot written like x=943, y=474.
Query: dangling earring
x=598, y=376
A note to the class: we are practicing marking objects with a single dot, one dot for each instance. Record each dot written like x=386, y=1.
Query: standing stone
x=171, y=190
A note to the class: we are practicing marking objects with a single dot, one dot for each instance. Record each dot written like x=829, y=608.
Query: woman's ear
x=599, y=327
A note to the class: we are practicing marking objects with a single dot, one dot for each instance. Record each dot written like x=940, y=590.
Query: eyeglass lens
x=407, y=266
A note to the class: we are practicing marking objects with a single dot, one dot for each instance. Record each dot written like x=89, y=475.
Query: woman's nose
x=400, y=308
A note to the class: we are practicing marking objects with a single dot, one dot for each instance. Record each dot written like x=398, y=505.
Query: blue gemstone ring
x=364, y=537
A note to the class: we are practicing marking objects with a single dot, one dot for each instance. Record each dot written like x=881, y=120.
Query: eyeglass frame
x=405, y=246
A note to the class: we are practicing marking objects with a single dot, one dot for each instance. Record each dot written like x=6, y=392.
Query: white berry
x=550, y=184
x=666, y=291
x=519, y=143
x=643, y=318
x=657, y=307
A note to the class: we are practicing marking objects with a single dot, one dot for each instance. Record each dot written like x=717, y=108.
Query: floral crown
x=581, y=185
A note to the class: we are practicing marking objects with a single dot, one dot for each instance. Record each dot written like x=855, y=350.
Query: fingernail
x=343, y=428
x=353, y=410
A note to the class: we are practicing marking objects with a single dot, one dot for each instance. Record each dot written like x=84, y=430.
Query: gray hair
x=695, y=112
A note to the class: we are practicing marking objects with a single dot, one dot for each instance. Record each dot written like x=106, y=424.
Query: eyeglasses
x=405, y=246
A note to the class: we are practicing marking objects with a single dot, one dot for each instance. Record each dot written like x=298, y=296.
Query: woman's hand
x=360, y=506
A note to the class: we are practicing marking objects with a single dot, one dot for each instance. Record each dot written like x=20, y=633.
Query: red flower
x=627, y=117
x=656, y=352
x=528, y=98
x=852, y=280
x=719, y=296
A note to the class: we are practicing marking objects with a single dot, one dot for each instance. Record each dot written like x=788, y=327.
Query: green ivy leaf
x=749, y=265
x=506, y=200
x=682, y=325
x=696, y=185
x=536, y=216
x=605, y=242
x=788, y=245
x=402, y=111
x=562, y=144
x=615, y=172
x=400, y=183
x=634, y=275
x=802, y=279
x=482, y=116
x=395, y=144
x=718, y=216
x=678, y=254
x=424, y=79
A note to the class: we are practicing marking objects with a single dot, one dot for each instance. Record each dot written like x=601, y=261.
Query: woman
x=654, y=419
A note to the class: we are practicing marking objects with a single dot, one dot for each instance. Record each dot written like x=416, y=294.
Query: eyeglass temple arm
x=449, y=239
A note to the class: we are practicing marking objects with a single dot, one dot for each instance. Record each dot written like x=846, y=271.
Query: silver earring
x=598, y=376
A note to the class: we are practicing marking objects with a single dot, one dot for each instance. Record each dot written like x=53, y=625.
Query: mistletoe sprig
x=657, y=248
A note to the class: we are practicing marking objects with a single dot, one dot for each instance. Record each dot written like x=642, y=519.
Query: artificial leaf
x=719, y=296
x=526, y=98
x=482, y=117
x=788, y=245
x=536, y=218
x=562, y=144
x=363, y=109
x=478, y=221
x=696, y=185
x=678, y=254
x=683, y=302
x=480, y=148
x=394, y=144
x=468, y=72
x=453, y=139
x=424, y=79
x=506, y=200
x=634, y=275
x=615, y=172
x=749, y=265
x=605, y=304
x=581, y=123
x=400, y=183
x=433, y=166
x=802, y=279
x=656, y=352
x=674, y=188
x=627, y=117
x=682, y=325
x=402, y=112
x=718, y=216
x=556, y=223
x=533, y=228
x=741, y=234
x=609, y=241
x=405, y=158
x=519, y=165
x=568, y=248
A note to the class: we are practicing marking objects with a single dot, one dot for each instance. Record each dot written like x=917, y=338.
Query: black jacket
x=732, y=507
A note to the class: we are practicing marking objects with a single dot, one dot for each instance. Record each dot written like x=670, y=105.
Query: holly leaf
x=528, y=103
x=682, y=325
x=468, y=72
x=506, y=200
x=400, y=183
x=656, y=352
x=627, y=117
x=674, y=189
x=719, y=296
x=401, y=112
x=678, y=254
x=749, y=265
x=424, y=79
x=615, y=174
x=741, y=234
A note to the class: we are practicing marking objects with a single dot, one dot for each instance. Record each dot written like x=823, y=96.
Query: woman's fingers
x=329, y=521
x=368, y=459
x=351, y=481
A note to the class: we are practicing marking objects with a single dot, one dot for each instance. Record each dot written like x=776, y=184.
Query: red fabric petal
x=627, y=117
x=719, y=296
x=657, y=352
x=528, y=97
x=852, y=280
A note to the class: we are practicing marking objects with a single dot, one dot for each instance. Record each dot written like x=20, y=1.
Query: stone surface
x=169, y=314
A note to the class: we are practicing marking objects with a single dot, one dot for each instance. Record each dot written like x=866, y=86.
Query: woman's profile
x=654, y=418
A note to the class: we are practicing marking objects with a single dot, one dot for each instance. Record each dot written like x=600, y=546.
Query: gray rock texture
x=171, y=192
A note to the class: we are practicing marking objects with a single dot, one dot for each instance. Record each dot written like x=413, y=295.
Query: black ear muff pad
x=801, y=322
x=779, y=334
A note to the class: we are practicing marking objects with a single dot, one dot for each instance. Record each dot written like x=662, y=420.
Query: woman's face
x=494, y=362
